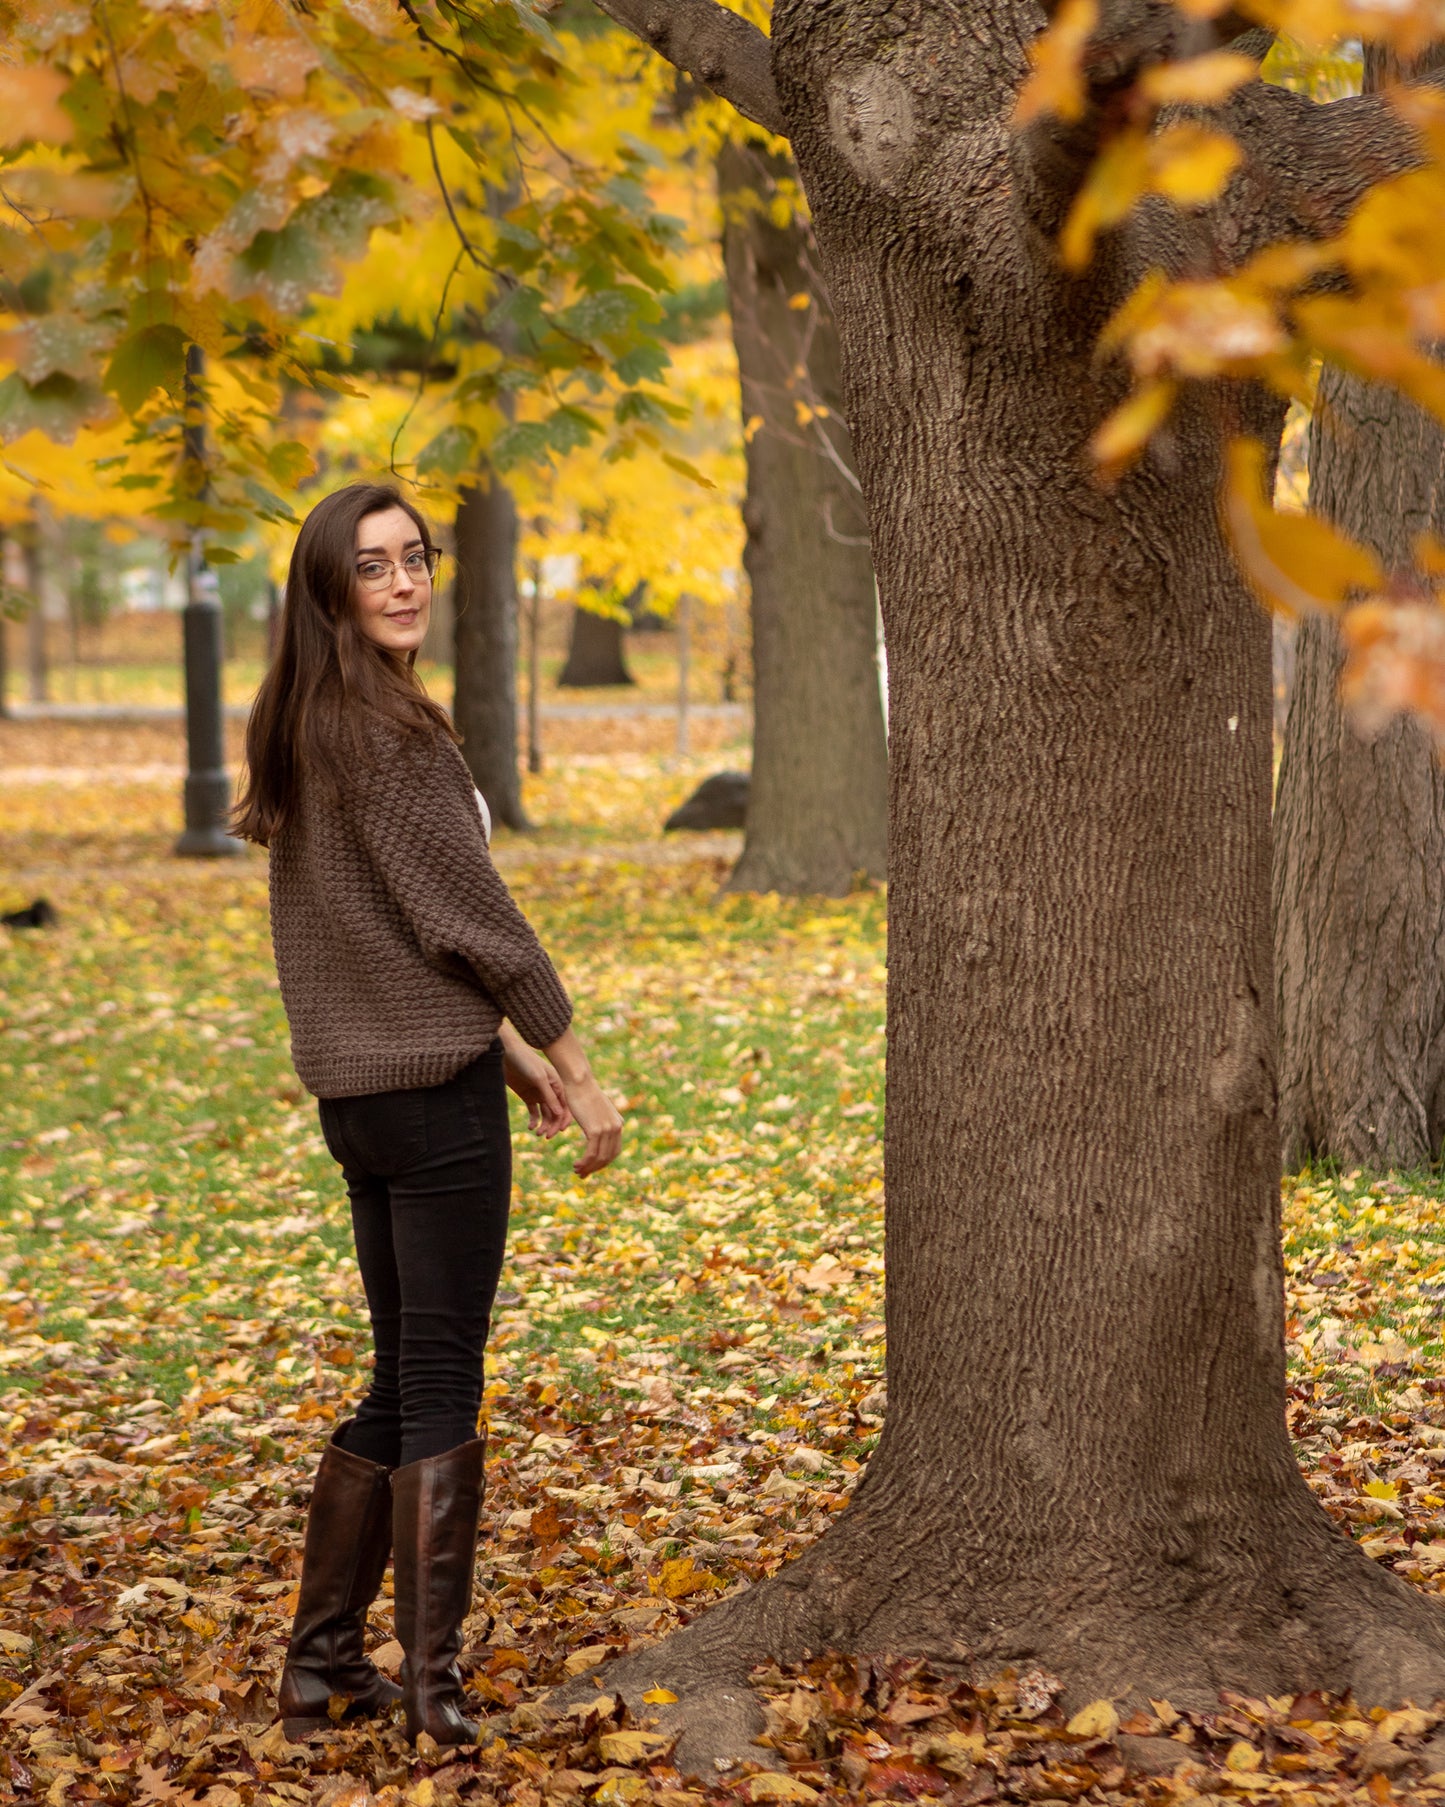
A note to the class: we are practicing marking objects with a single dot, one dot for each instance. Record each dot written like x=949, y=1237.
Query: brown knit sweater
x=399, y=948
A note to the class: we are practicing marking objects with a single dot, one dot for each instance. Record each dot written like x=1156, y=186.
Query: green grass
x=167, y=1203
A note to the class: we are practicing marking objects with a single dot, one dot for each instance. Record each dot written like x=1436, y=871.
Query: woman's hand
x=595, y=1113
x=535, y=1084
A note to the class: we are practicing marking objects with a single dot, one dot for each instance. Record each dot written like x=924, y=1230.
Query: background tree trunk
x=485, y=703
x=37, y=652
x=4, y=628
x=595, y=652
x=818, y=808
x=1359, y=879
x=1359, y=910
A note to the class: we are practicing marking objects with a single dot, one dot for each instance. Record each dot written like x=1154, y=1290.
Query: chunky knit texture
x=399, y=947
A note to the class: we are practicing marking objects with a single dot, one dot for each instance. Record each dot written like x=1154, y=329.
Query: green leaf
x=638, y=148
x=528, y=441
x=595, y=315
x=468, y=144
x=522, y=307
x=267, y=504
x=569, y=428
x=533, y=22
x=153, y=358
x=450, y=452
x=653, y=410
x=637, y=263
x=644, y=363
x=480, y=386
x=626, y=192
x=290, y=462
x=510, y=233
x=288, y=266
x=59, y=407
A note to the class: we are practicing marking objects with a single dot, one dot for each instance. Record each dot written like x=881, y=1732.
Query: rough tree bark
x=1359, y=876
x=818, y=806
x=1085, y=1462
x=1360, y=836
x=596, y=656
x=484, y=706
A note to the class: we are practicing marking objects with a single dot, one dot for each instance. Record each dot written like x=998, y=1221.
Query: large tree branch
x=1308, y=164
x=716, y=47
x=1051, y=157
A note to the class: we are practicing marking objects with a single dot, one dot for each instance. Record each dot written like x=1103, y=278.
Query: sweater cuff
x=537, y=1005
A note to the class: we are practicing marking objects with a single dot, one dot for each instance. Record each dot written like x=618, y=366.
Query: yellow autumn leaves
x=1188, y=164
x=1366, y=295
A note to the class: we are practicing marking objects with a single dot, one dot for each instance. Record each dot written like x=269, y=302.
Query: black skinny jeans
x=430, y=1177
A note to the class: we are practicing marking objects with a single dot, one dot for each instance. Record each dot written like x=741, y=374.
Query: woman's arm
x=415, y=810
x=597, y=1116
x=535, y=1084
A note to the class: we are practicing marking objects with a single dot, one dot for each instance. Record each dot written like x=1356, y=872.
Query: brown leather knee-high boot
x=348, y=1538
x=436, y=1505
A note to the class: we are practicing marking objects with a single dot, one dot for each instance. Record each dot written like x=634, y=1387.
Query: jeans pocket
x=383, y=1132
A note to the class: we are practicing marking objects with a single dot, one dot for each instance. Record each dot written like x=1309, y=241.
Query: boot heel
x=297, y=1729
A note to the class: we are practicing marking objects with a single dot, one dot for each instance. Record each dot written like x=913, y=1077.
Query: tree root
x=1341, y=1625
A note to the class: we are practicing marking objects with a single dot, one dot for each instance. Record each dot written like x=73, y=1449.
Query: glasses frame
x=433, y=558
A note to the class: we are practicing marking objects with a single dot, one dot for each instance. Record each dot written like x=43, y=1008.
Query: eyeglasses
x=420, y=567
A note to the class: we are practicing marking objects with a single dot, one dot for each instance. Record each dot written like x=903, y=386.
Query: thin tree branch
x=129, y=144
x=714, y=46
x=468, y=249
x=436, y=333
x=843, y=539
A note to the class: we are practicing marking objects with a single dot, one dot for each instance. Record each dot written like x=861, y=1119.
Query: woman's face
x=396, y=613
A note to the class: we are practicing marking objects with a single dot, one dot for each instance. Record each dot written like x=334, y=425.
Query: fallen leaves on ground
x=684, y=1381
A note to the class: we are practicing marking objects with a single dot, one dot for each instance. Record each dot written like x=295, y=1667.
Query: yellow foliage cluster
x=1369, y=298
x=407, y=210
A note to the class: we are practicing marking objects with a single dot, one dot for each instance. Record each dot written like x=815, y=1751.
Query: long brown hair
x=327, y=678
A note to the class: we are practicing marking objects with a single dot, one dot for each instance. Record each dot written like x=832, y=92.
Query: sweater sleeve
x=416, y=814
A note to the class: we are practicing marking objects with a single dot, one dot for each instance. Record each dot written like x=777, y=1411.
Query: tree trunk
x=595, y=653
x=1360, y=923
x=818, y=808
x=36, y=647
x=1360, y=835
x=485, y=704
x=1085, y=1462
x=4, y=627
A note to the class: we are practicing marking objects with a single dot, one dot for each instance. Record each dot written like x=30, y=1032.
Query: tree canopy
x=207, y=175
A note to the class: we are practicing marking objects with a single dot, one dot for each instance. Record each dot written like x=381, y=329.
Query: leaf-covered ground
x=685, y=1376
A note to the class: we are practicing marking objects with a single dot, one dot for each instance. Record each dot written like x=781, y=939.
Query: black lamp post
x=208, y=786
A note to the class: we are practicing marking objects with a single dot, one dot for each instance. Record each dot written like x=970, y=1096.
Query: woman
x=415, y=991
